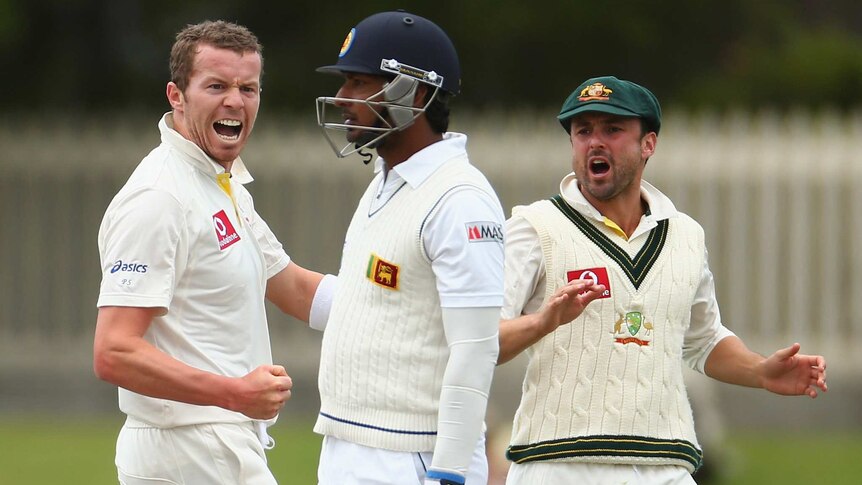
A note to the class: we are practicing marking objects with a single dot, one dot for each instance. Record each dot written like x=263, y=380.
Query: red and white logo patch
x=225, y=232
x=598, y=275
x=484, y=231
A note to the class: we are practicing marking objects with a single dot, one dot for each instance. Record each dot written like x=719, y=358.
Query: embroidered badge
x=225, y=232
x=348, y=41
x=484, y=231
x=632, y=328
x=382, y=272
x=595, y=91
x=598, y=275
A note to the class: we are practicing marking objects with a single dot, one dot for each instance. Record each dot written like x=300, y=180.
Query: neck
x=402, y=145
x=625, y=209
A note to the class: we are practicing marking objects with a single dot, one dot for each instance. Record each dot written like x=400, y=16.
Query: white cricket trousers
x=346, y=463
x=557, y=473
x=203, y=454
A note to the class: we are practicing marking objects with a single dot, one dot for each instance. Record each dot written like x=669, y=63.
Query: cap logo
x=348, y=41
x=595, y=92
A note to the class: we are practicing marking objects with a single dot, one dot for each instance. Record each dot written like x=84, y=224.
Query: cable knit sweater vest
x=384, y=350
x=608, y=387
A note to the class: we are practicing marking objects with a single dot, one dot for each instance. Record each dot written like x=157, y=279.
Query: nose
x=342, y=93
x=596, y=140
x=233, y=98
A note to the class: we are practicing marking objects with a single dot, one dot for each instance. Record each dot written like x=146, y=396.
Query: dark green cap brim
x=566, y=117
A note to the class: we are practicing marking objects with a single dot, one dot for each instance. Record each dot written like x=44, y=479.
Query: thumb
x=277, y=370
x=786, y=353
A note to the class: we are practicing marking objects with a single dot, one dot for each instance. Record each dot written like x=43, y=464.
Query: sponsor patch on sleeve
x=484, y=231
x=598, y=275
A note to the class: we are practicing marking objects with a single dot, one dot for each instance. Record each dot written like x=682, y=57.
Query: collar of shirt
x=193, y=154
x=423, y=163
x=660, y=205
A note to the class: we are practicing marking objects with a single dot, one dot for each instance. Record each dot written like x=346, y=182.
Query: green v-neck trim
x=636, y=269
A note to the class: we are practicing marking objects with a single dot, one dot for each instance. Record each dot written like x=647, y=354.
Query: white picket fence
x=777, y=195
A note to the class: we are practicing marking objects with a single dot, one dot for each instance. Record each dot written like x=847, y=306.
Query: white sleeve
x=705, y=328
x=525, y=270
x=141, y=246
x=472, y=334
x=463, y=239
x=321, y=304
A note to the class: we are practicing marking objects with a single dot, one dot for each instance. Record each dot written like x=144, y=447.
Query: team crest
x=633, y=328
x=348, y=42
x=594, y=92
x=382, y=273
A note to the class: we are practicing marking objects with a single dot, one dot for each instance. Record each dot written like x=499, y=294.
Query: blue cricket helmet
x=392, y=43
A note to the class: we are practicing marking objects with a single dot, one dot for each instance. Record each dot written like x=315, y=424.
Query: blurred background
x=762, y=143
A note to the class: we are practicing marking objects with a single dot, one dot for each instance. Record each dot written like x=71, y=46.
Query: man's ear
x=648, y=143
x=175, y=96
x=421, y=92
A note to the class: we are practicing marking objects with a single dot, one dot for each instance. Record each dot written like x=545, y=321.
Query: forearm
x=732, y=362
x=518, y=334
x=292, y=290
x=136, y=365
x=473, y=344
x=563, y=307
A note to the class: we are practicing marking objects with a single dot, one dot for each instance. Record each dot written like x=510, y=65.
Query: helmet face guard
x=393, y=106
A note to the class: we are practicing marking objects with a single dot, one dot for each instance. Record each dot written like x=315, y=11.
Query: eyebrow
x=211, y=78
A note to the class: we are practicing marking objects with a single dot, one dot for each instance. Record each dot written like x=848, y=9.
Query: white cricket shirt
x=173, y=238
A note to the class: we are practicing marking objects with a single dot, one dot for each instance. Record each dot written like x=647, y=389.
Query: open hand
x=568, y=302
x=790, y=373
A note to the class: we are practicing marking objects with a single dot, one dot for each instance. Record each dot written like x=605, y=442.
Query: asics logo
x=128, y=267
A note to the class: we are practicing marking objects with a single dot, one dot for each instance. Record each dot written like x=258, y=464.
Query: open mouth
x=228, y=129
x=599, y=167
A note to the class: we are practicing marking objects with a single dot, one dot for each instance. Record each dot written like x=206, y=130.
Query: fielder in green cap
x=609, y=289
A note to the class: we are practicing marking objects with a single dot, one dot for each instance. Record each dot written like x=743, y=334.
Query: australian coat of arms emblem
x=633, y=328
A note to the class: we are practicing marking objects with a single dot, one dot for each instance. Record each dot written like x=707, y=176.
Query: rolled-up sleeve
x=705, y=329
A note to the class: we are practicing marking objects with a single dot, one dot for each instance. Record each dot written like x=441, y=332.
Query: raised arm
x=565, y=305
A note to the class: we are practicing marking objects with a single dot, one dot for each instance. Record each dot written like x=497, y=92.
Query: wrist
x=231, y=390
x=434, y=477
x=542, y=325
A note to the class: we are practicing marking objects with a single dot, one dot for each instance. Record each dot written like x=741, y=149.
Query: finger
x=821, y=362
x=593, y=294
x=821, y=382
x=786, y=353
x=574, y=287
x=556, y=300
x=277, y=370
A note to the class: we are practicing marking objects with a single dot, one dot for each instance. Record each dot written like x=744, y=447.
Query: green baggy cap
x=608, y=94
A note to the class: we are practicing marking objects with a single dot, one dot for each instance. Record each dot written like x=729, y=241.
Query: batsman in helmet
x=411, y=342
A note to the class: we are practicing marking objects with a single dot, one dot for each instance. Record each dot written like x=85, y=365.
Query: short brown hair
x=221, y=34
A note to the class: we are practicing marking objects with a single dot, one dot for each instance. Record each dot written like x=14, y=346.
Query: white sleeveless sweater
x=384, y=351
x=608, y=387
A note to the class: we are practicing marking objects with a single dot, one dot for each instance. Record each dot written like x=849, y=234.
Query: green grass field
x=36, y=451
